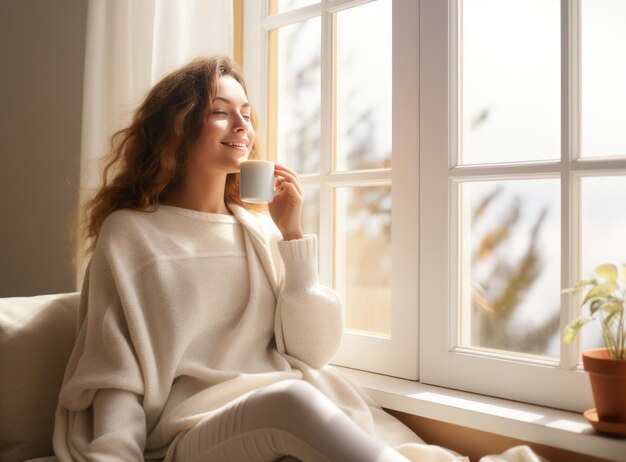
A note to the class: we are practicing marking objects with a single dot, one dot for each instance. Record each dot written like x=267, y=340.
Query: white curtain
x=131, y=45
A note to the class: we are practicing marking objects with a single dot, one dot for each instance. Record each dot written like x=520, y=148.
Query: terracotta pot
x=608, y=383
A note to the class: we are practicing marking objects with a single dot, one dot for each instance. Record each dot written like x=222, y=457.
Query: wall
x=42, y=45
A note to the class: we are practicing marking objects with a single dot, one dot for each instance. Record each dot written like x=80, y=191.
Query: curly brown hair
x=148, y=157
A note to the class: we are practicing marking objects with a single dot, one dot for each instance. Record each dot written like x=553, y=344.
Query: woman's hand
x=286, y=207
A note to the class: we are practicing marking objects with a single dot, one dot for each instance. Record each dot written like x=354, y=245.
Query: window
x=521, y=161
x=325, y=77
x=504, y=166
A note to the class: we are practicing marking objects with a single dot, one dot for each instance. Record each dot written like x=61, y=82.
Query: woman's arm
x=309, y=314
x=100, y=415
x=119, y=426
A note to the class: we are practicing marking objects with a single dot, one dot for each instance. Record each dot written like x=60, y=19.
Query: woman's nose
x=239, y=124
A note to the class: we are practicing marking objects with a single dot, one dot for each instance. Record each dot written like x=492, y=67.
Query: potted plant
x=606, y=298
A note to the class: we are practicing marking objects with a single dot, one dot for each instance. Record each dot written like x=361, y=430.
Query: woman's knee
x=294, y=399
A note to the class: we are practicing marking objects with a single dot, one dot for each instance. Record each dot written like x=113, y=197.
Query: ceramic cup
x=257, y=181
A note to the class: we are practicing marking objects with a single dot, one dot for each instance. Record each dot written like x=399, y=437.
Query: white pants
x=288, y=421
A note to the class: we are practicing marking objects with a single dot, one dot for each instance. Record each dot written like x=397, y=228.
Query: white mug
x=256, y=181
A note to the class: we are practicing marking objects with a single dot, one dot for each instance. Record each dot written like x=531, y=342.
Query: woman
x=203, y=331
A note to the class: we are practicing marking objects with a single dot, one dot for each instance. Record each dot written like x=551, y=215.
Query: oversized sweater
x=183, y=311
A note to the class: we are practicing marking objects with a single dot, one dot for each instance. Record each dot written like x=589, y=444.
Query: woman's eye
x=246, y=116
x=219, y=112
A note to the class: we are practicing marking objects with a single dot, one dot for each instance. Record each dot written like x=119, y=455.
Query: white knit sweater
x=170, y=329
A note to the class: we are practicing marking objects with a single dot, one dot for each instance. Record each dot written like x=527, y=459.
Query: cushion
x=37, y=335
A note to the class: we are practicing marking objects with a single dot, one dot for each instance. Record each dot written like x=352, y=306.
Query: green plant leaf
x=601, y=290
x=580, y=285
x=571, y=290
x=596, y=304
x=612, y=307
x=587, y=282
x=608, y=321
x=571, y=330
x=622, y=272
x=608, y=271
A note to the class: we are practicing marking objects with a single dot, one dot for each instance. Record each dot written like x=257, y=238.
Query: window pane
x=363, y=256
x=311, y=211
x=510, y=265
x=363, y=87
x=510, y=81
x=603, y=235
x=280, y=6
x=298, y=108
x=603, y=78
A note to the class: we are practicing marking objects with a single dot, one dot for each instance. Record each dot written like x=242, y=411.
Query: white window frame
x=425, y=177
x=396, y=355
x=557, y=383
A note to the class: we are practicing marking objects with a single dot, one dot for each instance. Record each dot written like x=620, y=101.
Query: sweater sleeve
x=100, y=415
x=309, y=313
x=120, y=423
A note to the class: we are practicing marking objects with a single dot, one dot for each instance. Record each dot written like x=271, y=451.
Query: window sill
x=536, y=424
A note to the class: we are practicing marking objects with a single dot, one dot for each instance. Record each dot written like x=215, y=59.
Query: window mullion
x=327, y=212
x=335, y=6
x=455, y=60
x=279, y=20
x=570, y=184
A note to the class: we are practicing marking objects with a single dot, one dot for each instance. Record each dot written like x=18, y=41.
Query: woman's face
x=227, y=136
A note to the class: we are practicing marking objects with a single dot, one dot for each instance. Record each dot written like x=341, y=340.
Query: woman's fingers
x=284, y=184
x=288, y=175
x=285, y=168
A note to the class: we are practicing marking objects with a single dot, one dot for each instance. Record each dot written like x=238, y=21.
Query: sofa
x=37, y=335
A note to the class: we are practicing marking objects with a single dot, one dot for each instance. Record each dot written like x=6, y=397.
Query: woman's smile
x=236, y=145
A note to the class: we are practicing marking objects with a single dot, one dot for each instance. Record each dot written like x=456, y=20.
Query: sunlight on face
x=228, y=135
